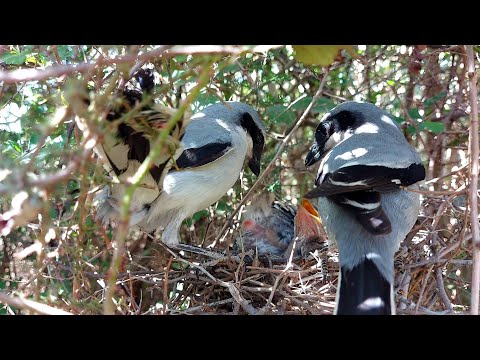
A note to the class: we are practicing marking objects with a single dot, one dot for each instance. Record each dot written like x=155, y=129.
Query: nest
x=211, y=281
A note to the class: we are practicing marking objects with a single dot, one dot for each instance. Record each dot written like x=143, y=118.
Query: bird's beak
x=315, y=193
x=254, y=165
x=308, y=222
x=313, y=155
x=254, y=162
x=311, y=210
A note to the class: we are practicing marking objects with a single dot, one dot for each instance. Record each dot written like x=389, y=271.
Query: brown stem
x=58, y=70
x=34, y=306
x=472, y=195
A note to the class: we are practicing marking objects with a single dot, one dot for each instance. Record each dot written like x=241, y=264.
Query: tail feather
x=364, y=291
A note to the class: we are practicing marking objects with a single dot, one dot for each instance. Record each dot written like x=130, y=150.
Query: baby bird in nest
x=276, y=228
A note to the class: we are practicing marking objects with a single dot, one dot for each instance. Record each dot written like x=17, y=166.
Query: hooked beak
x=313, y=155
x=254, y=165
x=315, y=193
x=254, y=162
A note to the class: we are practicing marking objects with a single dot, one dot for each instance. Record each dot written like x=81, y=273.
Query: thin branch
x=34, y=306
x=48, y=180
x=230, y=286
x=165, y=285
x=473, y=200
x=424, y=286
x=272, y=165
x=441, y=289
x=59, y=70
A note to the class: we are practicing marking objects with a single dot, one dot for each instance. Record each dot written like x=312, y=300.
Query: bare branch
x=34, y=306
x=441, y=289
x=473, y=199
x=59, y=70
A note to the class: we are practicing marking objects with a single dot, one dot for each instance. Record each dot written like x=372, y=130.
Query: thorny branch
x=441, y=240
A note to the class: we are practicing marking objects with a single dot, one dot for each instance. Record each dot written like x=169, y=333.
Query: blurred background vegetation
x=57, y=253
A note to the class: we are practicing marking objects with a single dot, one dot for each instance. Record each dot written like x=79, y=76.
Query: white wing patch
x=367, y=128
x=355, y=153
x=389, y=121
x=365, y=206
x=341, y=183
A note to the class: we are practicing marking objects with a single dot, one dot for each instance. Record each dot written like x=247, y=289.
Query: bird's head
x=236, y=117
x=341, y=123
x=268, y=225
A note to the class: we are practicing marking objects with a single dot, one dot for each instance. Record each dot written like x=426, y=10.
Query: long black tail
x=364, y=291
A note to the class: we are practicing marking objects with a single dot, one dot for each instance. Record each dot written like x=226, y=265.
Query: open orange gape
x=271, y=226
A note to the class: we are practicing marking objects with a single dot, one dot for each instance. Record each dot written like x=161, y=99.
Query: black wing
x=366, y=206
x=358, y=189
x=203, y=155
x=365, y=177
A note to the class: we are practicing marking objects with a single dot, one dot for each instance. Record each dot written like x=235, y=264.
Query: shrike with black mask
x=365, y=159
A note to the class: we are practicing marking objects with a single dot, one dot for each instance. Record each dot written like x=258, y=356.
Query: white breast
x=195, y=189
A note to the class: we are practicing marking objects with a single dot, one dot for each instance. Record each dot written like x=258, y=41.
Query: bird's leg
x=171, y=238
x=170, y=235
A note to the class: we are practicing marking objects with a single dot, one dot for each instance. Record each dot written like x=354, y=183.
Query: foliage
x=422, y=87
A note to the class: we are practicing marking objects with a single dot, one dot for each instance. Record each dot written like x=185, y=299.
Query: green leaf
x=200, y=215
x=203, y=100
x=322, y=105
x=322, y=55
x=280, y=114
x=180, y=58
x=431, y=101
x=31, y=59
x=435, y=127
x=411, y=130
x=414, y=114
x=231, y=68
x=274, y=187
x=64, y=51
x=197, y=216
x=398, y=120
x=13, y=145
x=13, y=58
x=222, y=207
